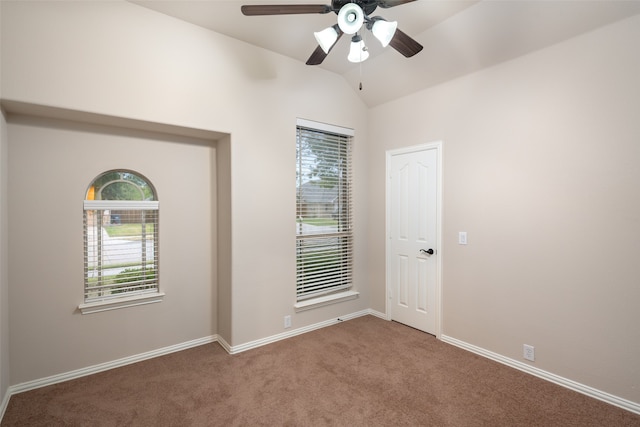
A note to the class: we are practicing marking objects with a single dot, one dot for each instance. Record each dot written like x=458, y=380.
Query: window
x=120, y=242
x=324, y=238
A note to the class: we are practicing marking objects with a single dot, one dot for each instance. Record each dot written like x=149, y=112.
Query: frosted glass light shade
x=350, y=18
x=358, y=51
x=384, y=31
x=326, y=38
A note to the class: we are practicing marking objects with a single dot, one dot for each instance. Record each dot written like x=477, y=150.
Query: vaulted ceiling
x=459, y=36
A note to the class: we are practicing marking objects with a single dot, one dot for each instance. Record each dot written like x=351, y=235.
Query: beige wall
x=52, y=165
x=118, y=59
x=541, y=169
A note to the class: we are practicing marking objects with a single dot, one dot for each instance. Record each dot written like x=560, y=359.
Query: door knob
x=427, y=251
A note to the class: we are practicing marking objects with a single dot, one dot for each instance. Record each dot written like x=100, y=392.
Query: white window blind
x=120, y=240
x=323, y=211
x=121, y=249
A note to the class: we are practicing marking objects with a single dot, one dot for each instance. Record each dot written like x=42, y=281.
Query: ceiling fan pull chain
x=361, y=73
x=360, y=86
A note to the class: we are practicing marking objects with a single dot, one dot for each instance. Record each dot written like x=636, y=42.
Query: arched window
x=120, y=242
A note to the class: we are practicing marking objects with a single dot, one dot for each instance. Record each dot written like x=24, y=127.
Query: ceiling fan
x=352, y=16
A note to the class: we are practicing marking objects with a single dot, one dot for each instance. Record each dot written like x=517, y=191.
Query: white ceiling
x=459, y=37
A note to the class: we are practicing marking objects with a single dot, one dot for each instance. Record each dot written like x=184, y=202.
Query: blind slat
x=323, y=212
x=120, y=252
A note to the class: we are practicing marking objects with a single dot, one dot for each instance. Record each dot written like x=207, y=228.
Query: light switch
x=462, y=238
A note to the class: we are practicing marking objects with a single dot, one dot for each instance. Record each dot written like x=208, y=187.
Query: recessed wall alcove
x=53, y=154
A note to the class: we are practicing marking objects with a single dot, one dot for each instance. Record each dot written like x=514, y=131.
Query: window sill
x=98, y=306
x=325, y=300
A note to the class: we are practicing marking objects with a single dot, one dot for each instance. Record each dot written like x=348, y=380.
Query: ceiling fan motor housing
x=350, y=18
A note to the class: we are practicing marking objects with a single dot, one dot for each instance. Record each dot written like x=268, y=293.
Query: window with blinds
x=120, y=237
x=324, y=238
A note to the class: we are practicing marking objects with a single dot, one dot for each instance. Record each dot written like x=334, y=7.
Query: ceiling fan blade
x=405, y=44
x=318, y=55
x=386, y=4
x=284, y=9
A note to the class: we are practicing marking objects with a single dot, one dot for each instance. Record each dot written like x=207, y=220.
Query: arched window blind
x=324, y=237
x=120, y=237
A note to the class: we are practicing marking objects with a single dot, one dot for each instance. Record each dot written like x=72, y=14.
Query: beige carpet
x=362, y=372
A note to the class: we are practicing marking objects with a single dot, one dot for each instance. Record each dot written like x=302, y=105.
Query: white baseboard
x=548, y=376
x=5, y=403
x=224, y=344
x=379, y=314
x=556, y=379
x=278, y=337
x=78, y=373
x=54, y=379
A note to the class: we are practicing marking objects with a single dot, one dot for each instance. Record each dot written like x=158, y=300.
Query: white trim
x=113, y=304
x=90, y=370
x=548, y=376
x=325, y=127
x=438, y=146
x=5, y=403
x=378, y=314
x=278, y=337
x=121, y=204
x=325, y=300
x=224, y=344
x=556, y=379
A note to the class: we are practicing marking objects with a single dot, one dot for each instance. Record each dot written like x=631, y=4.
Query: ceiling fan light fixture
x=350, y=18
x=384, y=31
x=358, y=51
x=326, y=38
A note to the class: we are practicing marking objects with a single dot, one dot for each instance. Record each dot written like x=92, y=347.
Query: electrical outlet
x=287, y=321
x=529, y=352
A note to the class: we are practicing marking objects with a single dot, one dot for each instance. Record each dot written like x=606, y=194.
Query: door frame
x=437, y=145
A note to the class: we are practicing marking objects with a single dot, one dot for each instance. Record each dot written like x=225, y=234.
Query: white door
x=412, y=252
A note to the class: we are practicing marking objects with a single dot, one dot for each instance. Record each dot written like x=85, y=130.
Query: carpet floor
x=361, y=372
